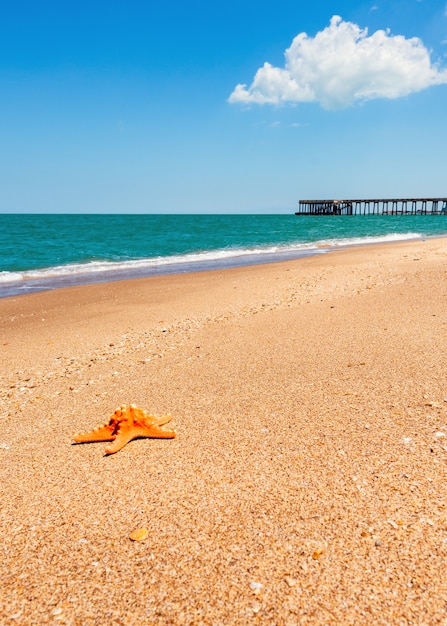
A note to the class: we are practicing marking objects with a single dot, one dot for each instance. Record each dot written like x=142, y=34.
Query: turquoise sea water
x=41, y=252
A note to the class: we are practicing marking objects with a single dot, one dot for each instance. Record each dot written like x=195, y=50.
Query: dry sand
x=307, y=483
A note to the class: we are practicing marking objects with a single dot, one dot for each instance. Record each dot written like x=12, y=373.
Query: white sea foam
x=97, y=271
x=354, y=241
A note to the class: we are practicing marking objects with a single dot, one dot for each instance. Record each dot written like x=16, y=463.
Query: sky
x=247, y=106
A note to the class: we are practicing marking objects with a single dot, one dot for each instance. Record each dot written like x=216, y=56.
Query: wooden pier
x=394, y=206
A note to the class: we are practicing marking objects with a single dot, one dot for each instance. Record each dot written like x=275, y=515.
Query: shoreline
x=307, y=482
x=65, y=278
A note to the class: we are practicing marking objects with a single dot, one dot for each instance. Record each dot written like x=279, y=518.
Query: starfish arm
x=103, y=433
x=159, y=433
x=124, y=436
x=121, y=439
x=162, y=419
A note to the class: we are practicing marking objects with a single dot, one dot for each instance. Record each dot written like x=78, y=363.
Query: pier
x=393, y=206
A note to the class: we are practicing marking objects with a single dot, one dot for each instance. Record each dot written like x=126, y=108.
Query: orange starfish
x=127, y=423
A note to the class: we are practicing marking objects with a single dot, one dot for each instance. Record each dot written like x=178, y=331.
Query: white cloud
x=342, y=65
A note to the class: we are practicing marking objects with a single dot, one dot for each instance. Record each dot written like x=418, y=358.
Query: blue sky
x=168, y=106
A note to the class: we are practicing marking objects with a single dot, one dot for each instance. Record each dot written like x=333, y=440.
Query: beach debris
x=314, y=549
x=256, y=607
x=392, y=523
x=256, y=587
x=127, y=423
x=440, y=434
x=407, y=440
x=291, y=582
x=140, y=534
x=16, y=615
x=318, y=553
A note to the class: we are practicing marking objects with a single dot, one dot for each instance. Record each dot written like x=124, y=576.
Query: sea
x=42, y=252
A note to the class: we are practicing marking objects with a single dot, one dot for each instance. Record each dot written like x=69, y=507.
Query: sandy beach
x=307, y=483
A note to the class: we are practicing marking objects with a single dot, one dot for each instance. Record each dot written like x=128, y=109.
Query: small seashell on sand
x=290, y=581
x=140, y=534
x=392, y=523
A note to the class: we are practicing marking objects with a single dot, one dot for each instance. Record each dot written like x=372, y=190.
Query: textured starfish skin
x=127, y=423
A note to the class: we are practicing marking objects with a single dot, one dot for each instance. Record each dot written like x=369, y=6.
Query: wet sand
x=307, y=483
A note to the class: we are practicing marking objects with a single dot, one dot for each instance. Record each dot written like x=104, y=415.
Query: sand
x=307, y=483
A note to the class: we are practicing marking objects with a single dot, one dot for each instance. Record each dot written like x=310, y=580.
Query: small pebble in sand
x=318, y=553
x=139, y=534
x=255, y=585
x=16, y=615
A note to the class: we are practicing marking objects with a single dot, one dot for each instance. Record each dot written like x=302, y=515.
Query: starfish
x=127, y=423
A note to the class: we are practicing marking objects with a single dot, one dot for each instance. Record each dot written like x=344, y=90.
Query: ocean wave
x=98, y=271
x=354, y=241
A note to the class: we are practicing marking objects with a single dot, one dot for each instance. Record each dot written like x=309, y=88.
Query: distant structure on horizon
x=393, y=206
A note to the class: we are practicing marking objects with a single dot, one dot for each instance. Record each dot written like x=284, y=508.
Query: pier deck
x=393, y=206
